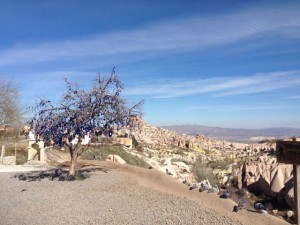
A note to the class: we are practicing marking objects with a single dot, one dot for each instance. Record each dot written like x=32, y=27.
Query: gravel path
x=105, y=198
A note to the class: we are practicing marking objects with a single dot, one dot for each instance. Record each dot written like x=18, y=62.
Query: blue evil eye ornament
x=110, y=133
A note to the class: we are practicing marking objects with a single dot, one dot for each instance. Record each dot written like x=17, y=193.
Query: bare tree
x=81, y=112
x=10, y=112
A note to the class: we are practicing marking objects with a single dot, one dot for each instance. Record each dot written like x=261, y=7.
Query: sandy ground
x=121, y=195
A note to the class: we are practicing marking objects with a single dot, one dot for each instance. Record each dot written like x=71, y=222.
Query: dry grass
x=101, y=152
x=203, y=171
x=21, y=149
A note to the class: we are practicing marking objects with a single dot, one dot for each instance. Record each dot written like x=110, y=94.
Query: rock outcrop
x=266, y=176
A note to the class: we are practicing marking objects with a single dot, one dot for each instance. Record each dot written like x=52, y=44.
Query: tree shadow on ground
x=58, y=174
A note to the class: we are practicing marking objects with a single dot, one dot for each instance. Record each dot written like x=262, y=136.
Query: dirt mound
x=163, y=183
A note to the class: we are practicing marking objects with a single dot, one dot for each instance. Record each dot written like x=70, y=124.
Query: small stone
x=274, y=211
x=263, y=211
x=289, y=213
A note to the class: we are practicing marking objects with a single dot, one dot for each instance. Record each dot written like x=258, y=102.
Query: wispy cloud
x=234, y=108
x=294, y=97
x=219, y=86
x=181, y=35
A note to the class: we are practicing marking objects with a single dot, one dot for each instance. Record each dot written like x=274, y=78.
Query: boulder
x=224, y=180
x=289, y=213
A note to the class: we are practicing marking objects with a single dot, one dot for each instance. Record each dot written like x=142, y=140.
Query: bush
x=202, y=171
x=136, y=145
x=124, y=136
x=180, y=151
x=234, y=182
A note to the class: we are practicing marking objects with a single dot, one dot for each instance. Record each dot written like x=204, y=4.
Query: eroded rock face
x=268, y=177
x=274, y=174
x=280, y=174
x=163, y=144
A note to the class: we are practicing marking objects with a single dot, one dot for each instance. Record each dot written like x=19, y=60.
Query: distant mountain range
x=230, y=134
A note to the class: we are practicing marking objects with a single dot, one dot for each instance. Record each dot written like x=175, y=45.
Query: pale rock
x=115, y=158
x=225, y=180
x=167, y=162
x=279, y=175
x=182, y=166
x=289, y=213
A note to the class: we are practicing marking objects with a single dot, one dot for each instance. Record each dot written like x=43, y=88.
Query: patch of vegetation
x=220, y=164
x=203, y=171
x=22, y=152
x=180, y=151
x=136, y=145
x=124, y=135
x=101, y=153
x=9, y=135
x=234, y=182
x=207, y=152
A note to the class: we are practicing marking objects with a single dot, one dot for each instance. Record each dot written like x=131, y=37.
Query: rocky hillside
x=248, y=166
x=160, y=138
x=168, y=151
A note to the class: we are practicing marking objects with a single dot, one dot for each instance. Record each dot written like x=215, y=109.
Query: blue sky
x=227, y=63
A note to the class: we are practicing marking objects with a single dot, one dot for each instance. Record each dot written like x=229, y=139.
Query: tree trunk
x=73, y=162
